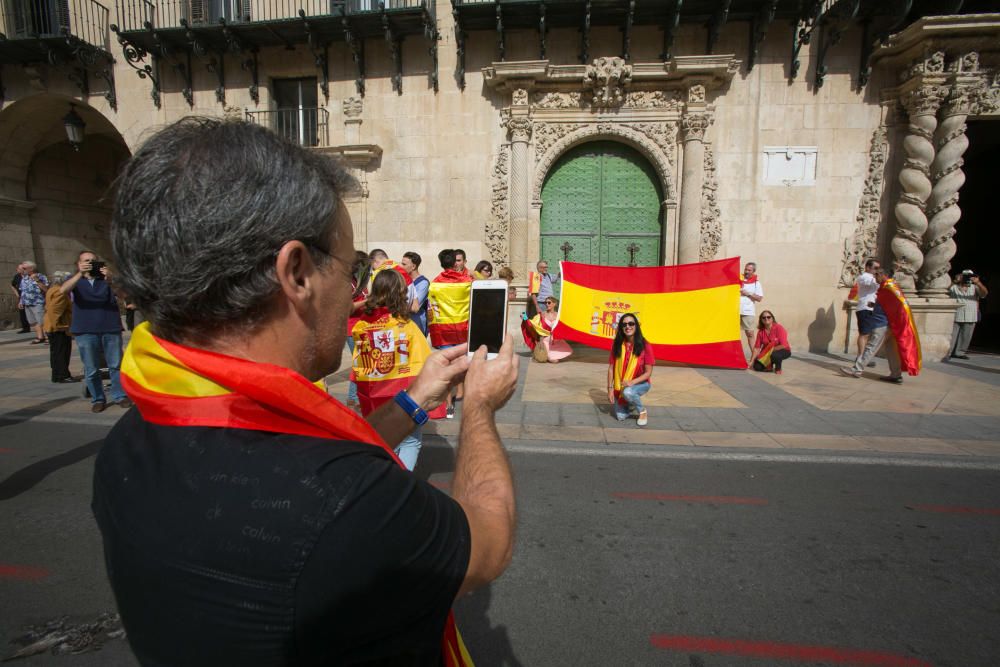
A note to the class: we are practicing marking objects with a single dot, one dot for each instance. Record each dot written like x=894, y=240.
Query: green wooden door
x=600, y=198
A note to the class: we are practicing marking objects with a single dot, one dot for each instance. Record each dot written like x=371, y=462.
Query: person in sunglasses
x=771, y=346
x=630, y=368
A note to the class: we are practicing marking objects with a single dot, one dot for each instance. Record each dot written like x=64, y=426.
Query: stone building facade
x=797, y=138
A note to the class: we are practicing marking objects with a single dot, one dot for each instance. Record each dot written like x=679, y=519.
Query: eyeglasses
x=766, y=317
x=628, y=324
x=549, y=301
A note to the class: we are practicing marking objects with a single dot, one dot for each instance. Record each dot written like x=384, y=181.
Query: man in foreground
x=248, y=517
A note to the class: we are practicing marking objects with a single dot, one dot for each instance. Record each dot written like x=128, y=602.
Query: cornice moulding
x=939, y=30
x=711, y=71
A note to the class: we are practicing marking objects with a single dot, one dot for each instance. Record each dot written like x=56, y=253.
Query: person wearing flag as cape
x=894, y=327
x=448, y=301
x=249, y=518
x=389, y=351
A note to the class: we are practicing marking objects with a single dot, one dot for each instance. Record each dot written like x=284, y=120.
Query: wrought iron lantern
x=74, y=127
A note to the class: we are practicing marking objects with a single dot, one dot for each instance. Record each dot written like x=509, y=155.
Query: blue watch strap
x=410, y=407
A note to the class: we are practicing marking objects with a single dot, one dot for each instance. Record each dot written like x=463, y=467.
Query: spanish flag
x=448, y=308
x=388, y=354
x=901, y=323
x=688, y=313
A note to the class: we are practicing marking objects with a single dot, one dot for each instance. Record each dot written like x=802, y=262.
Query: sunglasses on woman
x=628, y=324
x=766, y=317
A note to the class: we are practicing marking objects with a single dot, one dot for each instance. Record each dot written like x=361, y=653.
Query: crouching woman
x=630, y=368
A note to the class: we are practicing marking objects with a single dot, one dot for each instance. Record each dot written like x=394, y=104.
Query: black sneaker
x=889, y=378
x=960, y=356
x=871, y=364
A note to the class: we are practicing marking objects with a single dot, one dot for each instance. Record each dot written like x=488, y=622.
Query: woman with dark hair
x=771, y=346
x=389, y=352
x=484, y=271
x=630, y=368
x=361, y=273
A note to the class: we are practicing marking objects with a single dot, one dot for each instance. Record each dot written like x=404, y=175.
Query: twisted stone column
x=693, y=127
x=519, y=128
x=942, y=205
x=914, y=178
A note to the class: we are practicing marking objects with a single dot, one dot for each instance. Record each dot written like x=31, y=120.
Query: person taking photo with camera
x=968, y=290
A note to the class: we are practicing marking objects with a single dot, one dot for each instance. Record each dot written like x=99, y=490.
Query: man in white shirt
x=750, y=293
x=968, y=290
x=867, y=287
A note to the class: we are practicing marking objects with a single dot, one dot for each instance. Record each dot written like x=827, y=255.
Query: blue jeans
x=633, y=398
x=91, y=346
x=352, y=386
x=409, y=448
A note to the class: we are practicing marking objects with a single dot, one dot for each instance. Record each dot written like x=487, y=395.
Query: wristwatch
x=410, y=407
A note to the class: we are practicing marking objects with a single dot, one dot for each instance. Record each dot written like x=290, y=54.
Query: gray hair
x=60, y=276
x=202, y=210
x=29, y=265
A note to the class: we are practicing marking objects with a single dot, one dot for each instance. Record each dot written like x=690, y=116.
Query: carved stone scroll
x=862, y=244
x=711, y=220
x=497, y=226
x=607, y=79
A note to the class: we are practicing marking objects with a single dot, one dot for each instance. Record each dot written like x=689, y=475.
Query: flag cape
x=448, y=308
x=176, y=385
x=534, y=330
x=904, y=330
x=388, y=354
x=688, y=313
x=389, y=264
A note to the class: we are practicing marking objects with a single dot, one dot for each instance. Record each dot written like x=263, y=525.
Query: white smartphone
x=488, y=316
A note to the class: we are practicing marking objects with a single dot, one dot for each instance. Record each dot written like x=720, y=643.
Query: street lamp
x=74, y=128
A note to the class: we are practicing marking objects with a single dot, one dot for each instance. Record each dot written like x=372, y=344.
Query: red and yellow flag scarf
x=388, y=354
x=448, y=308
x=626, y=368
x=904, y=330
x=176, y=385
x=534, y=330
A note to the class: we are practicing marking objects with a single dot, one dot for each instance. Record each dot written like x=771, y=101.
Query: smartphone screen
x=486, y=319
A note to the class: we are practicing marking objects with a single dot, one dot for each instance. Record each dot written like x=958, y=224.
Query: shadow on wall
x=820, y=330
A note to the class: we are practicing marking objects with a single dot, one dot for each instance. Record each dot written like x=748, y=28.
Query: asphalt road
x=625, y=559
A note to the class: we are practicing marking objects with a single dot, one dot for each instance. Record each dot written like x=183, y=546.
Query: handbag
x=540, y=354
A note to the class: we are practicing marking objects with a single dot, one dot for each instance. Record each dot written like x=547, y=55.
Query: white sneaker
x=643, y=418
x=850, y=372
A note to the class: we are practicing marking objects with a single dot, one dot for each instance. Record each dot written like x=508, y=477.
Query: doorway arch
x=601, y=204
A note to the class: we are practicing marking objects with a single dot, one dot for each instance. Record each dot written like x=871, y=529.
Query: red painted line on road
x=22, y=572
x=958, y=509
x=4, y=450
x=717, y=500
x=783, y=651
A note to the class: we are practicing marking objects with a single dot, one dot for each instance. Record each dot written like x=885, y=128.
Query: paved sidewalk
x=951, y=409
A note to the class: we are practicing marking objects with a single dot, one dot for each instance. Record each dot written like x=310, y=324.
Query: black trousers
x=24, y=320
x=60, y=349
x=776, y=358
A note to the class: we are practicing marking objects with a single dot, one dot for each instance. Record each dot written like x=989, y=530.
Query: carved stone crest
x=933, y=62
x=520, y=97
x=607, y=78
x=696, y=94
x=353, y=106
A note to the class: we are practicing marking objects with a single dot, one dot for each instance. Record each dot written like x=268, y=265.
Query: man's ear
x=295, y=272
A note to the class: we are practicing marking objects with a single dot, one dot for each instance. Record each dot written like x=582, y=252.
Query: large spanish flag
x=688, y=313
x=448, y=308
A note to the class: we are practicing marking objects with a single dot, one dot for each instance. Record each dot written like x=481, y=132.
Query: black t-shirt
x=16, y=282
x=238, y=547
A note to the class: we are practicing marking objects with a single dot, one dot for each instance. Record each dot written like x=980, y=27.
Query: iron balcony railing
x=134, y=14
x=32, y=19
x=305, y=126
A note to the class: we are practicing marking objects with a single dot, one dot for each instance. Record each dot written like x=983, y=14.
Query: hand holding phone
x=487, y=316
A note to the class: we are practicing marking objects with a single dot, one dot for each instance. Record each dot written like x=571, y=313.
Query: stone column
x=693, y=126
x=519, y=129
x=921, y=104
x=948, y=177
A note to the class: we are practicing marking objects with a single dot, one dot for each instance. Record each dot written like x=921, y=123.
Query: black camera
x=95, y=269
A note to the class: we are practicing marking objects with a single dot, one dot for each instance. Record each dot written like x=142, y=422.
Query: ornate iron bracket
x=802, y=33
x=459, y=46
x=585, y=35
x=501, y=35
x=627, y=32
x=715, y=24
x=357, y=47
x=237, y=45
x=77, y=74
x=215, y=64
x=395, y=51
x=832, y=29
x=320, y=55
x=135, y=57
x=868, y=43
x=758, y=30
x=542, y=30
x=250, y=65
x=102, y=62
x=670, y=30
x=432, y=34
